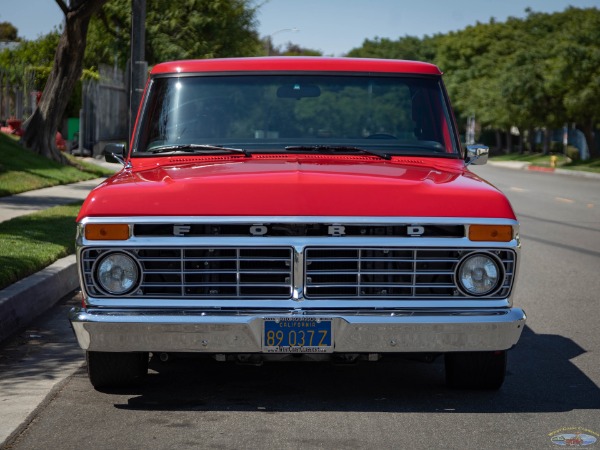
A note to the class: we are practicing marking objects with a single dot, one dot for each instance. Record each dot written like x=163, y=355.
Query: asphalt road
x=552, y=386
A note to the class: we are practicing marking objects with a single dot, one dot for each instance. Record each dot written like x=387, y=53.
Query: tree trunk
x=546, y=142
x=531, y=139
x=498, y=141
x=509, y=146
x=590, y=137
x=520, y=145
x=41, y=127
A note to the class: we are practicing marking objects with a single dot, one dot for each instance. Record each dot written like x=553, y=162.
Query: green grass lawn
x=587, y=166
x=30, y=243
x=34, y=241
x=22, y=170
x=562, y=162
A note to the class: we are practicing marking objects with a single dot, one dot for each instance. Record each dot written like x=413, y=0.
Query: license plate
x=297, y=335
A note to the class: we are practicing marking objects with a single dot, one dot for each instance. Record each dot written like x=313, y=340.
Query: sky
x=332, y=26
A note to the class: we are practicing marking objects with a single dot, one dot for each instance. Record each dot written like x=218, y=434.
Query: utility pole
x=138, y=67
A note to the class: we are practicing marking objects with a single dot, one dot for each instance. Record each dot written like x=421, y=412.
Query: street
x=552, y=387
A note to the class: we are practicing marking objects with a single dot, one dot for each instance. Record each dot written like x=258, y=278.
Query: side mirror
x=477, y=154
x=115, y=153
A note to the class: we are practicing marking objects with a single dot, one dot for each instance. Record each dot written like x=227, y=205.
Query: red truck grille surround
x=268, y=272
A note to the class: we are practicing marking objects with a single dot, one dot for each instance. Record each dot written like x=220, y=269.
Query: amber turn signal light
x=495, y=233
x=107, y=231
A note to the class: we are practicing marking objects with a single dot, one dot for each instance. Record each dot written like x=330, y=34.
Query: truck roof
x=296, y=63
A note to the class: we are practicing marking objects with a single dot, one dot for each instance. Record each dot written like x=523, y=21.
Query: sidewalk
x=29, y=298
x=32, y=201
x=39, y=199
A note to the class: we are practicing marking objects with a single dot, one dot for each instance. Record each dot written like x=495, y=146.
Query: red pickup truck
x=272, y=209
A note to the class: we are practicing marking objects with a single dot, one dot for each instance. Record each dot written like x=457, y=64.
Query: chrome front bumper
x=438, y=331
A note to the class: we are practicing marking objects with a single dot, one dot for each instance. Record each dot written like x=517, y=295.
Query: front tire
x=109, y=369
x=476, y=370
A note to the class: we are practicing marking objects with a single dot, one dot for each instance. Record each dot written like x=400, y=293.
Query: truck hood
x=282, y=185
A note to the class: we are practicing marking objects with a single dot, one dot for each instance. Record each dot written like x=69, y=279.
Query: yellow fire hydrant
x=553, y=160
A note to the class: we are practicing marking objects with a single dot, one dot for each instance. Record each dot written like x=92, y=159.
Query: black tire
x=108, y=369
x=476, y=370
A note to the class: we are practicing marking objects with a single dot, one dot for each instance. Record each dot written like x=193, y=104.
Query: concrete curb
x=578, y=173
x=29, y=298
x=515, y=165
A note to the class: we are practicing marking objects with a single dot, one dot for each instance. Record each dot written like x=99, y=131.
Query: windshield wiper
x=193, y=148
x=335, y=149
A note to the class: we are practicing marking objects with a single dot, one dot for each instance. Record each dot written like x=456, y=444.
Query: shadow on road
x=541, y=378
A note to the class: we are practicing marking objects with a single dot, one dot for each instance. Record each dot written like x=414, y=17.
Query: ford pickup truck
x=274, y=209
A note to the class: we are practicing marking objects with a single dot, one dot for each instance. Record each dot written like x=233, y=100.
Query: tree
x=577, y=70
x=41, y=127
x=8, y=32
x=407, y=47
x=539, y=72
x=30, y=59
x=178, y=29
x=290, y=49
x=201, y=29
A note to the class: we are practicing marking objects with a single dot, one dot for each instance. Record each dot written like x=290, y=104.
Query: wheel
x=108, y=369
x=476, y=370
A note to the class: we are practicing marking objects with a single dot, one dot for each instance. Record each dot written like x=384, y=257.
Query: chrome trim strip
x=372, y=220
x=298, y=274
x=298, y=241
x=434, y=331
x=175, y=304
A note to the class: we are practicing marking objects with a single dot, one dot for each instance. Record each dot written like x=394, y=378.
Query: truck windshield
x=267, y=113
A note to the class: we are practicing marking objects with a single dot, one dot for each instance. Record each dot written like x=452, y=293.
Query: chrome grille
x=390, y=273
x=268, y=272
x=204, y=272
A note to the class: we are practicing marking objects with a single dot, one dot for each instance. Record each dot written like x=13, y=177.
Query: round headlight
x=117, y=273
x=479, y=274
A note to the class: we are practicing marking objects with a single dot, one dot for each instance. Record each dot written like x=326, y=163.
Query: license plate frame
x=297, y=335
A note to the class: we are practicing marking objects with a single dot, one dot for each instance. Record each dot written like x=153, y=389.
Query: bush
x=573, y=153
